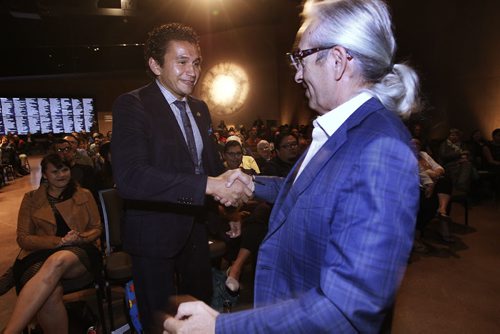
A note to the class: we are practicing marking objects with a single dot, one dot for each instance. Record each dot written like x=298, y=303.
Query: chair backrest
x=112, y=210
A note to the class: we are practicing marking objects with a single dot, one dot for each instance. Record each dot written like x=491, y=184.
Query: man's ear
x=154, y=66
x=340, y=59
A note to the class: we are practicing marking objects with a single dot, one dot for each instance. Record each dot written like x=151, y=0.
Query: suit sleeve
x=135, y=175
x=370, y=239
x=268, y=187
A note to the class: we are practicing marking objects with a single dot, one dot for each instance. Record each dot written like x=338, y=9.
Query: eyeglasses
x=63, y=149
x=288, y=146
x=234, y=154
x=296, y=58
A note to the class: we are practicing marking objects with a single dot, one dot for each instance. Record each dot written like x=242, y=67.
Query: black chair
x=85, y=282
x=117, y=263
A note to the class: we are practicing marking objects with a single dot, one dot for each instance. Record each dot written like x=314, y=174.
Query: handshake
x=232, y=188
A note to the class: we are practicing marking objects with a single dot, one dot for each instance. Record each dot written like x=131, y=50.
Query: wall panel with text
x=21, y=115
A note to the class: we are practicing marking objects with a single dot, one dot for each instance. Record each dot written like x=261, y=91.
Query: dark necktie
x=189, y=134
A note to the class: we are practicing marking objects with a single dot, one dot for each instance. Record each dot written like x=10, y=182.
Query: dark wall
x=453, y=44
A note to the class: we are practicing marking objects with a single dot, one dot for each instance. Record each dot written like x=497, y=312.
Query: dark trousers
x=158, y=279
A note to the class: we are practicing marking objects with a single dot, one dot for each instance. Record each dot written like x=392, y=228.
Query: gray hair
x=262, y=143
x=364, y=29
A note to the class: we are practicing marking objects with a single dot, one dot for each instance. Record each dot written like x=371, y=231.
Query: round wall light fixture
x=225, y=88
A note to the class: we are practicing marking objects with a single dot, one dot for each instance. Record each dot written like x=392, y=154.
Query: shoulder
x=137, y=94
x=197, y=103
x=378, y=122
x=37, y=197
x=82, y=195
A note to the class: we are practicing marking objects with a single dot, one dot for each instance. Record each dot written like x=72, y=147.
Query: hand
x=71, y=238
x=235, y=194
x=193, y=318
x=235, y=230
x=237, y=174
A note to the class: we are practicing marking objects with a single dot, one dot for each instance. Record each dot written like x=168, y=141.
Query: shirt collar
x=167, y=94
x=333, y=119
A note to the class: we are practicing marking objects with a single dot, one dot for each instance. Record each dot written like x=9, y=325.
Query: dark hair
x=60, y=141
x=55, y=160
x=230, y=144
x=104, y=150
x=159, y=38
x=495, y=132
x=281, y=136
x=72, y=136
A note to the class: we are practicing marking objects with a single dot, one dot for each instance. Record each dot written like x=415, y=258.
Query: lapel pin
x=198, y=114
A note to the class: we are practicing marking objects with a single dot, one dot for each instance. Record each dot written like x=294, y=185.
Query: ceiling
x=42, y=37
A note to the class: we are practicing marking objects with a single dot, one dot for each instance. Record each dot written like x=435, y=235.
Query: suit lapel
x=290, y=191
x=163, y=113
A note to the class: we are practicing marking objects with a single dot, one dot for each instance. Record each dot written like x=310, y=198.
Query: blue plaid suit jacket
x=340, y=236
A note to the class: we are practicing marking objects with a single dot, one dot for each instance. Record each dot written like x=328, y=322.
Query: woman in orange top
x=58, y=228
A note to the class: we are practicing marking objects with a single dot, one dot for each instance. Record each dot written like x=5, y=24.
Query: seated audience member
x=247, y=161
x=475, y=146
x=97, y=139
x=253, y=230
x=286, y=146
x=252, y=140
x=84, y=175
x=109, y=134
x=417, y=131
x=105, y=174
x=57, y=230
x=222, y=126
x=435, y=195
x=80, y=157
x=19, y=144
x=264, y=153
x=254, y=226
x=10, y=156
x=455, y=159
x=491, y=152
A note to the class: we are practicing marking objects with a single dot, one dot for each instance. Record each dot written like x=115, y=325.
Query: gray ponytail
x=398, y=90
x=364, y=28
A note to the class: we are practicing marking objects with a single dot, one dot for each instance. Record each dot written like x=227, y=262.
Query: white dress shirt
x=177, y=113
x=326, y=125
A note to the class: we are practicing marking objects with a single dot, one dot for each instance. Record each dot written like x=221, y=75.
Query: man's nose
x=191, y=70
x=298, y=75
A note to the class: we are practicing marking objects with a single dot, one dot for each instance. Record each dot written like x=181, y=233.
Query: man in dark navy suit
x=165, y=164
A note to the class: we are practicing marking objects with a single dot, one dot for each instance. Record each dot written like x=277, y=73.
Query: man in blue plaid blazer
x=342, y=225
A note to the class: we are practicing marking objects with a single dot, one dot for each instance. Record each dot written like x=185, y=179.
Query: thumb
x=172, y=325
x=185, y=310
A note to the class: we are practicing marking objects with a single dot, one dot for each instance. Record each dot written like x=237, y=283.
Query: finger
x=172, y=325
x=187, y=309
x=245, y=179
x=248, y=191
x=233, y=176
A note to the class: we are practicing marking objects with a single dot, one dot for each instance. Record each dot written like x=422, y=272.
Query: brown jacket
x=36, y=225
